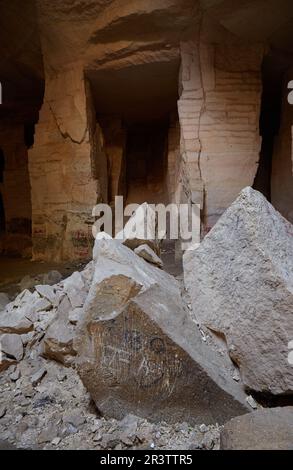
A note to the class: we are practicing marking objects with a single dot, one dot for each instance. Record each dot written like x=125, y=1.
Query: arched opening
x=134, y=105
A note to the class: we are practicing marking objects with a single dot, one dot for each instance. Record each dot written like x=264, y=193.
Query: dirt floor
x=13, y=270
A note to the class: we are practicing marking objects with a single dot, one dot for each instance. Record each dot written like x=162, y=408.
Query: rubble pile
x=120, y=355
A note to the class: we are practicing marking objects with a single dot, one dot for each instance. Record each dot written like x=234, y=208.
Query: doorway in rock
x=274, y=175
x=269, y=123
x=146, y=154
x=133, y=105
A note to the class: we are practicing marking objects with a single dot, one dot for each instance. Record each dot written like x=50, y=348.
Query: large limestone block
x=240, y=281
x=140, y=352
x=266, y=429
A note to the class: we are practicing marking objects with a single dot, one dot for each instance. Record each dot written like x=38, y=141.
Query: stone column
x=190, y=107
x=63, y=166
x=115, y=142
x=219, y=110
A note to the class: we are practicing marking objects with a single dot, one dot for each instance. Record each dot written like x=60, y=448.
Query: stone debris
x=11, y=345
x=58, y=340
x=56, y=441
x=2, y=411
x=145, y=252
x=51, y=278
x=75, y=418
x=14, y=376
x=240, y=281
x=4, y=300
x=134, y=315
x=15, y=322
x=251, y=401
x=48, y=293
x=75, y=290
x=45, y=420
x=145, y=353
x=43, y=305
x=265, y=429
x=38, y=376
x=75, y=315
x=140, y=229
x=45, y=311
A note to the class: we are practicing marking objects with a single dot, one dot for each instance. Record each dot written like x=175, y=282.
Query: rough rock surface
x=58, y=340
x=140, y=229
x=140, y=352
x=240, y=281
x=56, y=413
x=12, y=346
x=266, y=429
x=145, y=252
x=14, y=322
x=4, y=300
x=58, y=343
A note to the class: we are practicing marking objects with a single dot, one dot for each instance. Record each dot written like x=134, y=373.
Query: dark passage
x=270, y=117
x=146, y=154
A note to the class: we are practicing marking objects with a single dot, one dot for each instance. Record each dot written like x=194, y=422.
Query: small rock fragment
x=38, y=376
x=250, y=400
x=14, y=376
x=145, y=252
x=52, y=277
x=2, y=411
x=4, y=300
x=76, y=419
x=56, y=441
x=11, y=345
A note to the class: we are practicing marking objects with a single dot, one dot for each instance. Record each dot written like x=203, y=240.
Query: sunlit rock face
x=157, y=101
